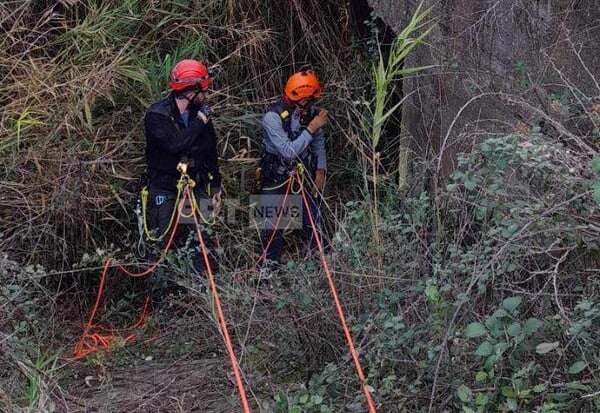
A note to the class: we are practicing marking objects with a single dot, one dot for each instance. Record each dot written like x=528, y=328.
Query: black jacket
x=168, y=141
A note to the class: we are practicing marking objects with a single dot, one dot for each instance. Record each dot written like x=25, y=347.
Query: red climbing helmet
x=302, y=85
x=189, y=73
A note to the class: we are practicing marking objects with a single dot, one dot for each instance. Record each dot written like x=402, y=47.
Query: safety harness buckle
x=182, y=167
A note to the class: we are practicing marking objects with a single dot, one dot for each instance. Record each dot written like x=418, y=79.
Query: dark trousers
x=161, y=204
x=276, y=247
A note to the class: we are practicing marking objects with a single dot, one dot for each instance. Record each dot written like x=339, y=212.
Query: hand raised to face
x=318, y=121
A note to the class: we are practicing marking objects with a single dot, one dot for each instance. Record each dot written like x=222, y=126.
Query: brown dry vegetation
x=478, y=293
x=77, y=78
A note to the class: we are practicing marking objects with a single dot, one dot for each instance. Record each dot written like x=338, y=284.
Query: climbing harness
x=296, y=175
x=299, y=171
x=145, y=234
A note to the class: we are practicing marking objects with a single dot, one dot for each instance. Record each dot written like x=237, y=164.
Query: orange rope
x=338, y=305
x=266, y=248
x=279, y=215
x=91, y=342
x=213, y=286
x=83, y=347
x=166, y=249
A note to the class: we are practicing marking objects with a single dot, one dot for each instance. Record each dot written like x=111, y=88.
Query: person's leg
x=272, y=240
x=161, y=205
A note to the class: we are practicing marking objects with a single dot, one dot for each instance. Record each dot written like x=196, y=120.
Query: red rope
x=166, y=249
x=279, y=215
x=239, y=277
x=223, y=323
x=91, y=342
x=338, y=305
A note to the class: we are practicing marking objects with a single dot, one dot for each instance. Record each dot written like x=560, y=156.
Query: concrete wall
x=519, y=60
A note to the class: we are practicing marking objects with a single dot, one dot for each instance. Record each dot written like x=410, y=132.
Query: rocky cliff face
x=500, y=66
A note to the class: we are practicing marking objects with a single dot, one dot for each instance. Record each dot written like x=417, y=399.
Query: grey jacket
x=276, y=140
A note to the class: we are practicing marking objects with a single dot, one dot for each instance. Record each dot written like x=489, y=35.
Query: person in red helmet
x=179, y=129
x=293, y=134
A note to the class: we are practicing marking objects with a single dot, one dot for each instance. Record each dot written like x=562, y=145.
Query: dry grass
x=77, y=78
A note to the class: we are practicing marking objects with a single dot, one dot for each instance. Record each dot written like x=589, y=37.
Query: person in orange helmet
x=293, y=134
x=179, y=129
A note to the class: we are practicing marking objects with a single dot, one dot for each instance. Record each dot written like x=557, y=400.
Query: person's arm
x=213, y=160
x=208, y=157
x=318, y=148
x=163, y=133
x=287, y=148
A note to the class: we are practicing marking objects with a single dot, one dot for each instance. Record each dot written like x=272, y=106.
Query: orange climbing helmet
x=302, y=85
x=189, y=73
